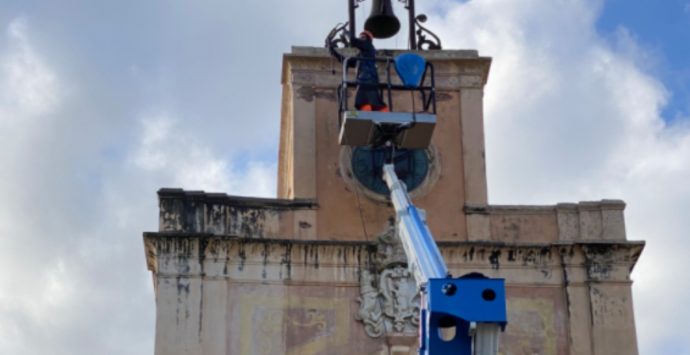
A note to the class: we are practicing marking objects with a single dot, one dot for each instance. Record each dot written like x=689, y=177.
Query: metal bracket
x=422, y=42
x=338, y=37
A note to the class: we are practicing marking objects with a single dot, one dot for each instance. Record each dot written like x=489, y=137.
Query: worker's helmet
x=367, y=34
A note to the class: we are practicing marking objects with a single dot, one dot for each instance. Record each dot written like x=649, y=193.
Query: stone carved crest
x=389, y=299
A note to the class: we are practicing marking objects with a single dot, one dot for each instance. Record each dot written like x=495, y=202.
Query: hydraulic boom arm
x=457, y=315
x=423, y=255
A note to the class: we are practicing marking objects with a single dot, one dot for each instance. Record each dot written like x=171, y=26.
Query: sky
x=102, y=103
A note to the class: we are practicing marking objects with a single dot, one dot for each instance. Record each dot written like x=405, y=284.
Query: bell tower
x=346, y=181
x=320, y=270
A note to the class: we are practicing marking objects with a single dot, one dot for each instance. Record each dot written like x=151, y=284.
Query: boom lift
x=457, y=315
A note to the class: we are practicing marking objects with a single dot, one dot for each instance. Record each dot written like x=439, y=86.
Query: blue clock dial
x=411, y=166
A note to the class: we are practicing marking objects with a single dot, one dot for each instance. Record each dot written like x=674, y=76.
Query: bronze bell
x=382, y=22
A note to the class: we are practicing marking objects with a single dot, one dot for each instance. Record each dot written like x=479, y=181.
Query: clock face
x=411, y=166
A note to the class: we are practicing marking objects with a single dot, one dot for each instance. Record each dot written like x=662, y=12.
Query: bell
x=382, y=22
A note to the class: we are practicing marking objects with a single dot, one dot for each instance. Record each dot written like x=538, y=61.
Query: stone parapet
x=591, y=220
x=584, y=221
x=221, y=214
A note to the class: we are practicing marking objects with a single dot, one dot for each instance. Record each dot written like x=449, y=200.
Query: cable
x=414, y=110
x=361, y=215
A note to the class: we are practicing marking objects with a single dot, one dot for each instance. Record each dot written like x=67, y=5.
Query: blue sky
x=103, y=103
x=662, y=27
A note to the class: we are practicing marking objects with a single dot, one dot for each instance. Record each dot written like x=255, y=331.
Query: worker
x=368, y=97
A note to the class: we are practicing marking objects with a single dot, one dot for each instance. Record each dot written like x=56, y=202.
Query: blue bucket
x=410, y=68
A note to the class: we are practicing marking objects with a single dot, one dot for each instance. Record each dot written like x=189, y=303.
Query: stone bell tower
x=313, y=165
x=318, y=270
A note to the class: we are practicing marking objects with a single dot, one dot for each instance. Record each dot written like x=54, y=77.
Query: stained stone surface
x=252, y=292
x=319, y=270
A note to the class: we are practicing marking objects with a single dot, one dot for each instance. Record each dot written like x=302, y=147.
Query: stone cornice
x=610, y=261
x=454, y=68
x=298, y=261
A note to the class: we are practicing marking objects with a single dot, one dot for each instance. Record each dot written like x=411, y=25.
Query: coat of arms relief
x=389, y=299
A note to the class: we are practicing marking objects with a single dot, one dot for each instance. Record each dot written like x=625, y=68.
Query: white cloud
x=570, y=115
x=165, y=149
x=29, y=86
x=41, y=294
x=82, y=156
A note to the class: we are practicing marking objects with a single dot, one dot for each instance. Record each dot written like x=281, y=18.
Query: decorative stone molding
x=370, y=312
x=610, y=262
x=389, y=251
x=389, y=299
x=401, y=299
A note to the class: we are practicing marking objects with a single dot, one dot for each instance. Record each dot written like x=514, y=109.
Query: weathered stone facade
x=318, y=271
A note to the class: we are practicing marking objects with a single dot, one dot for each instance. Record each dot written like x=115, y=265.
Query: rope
x=414, y=110
x=361, y=215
